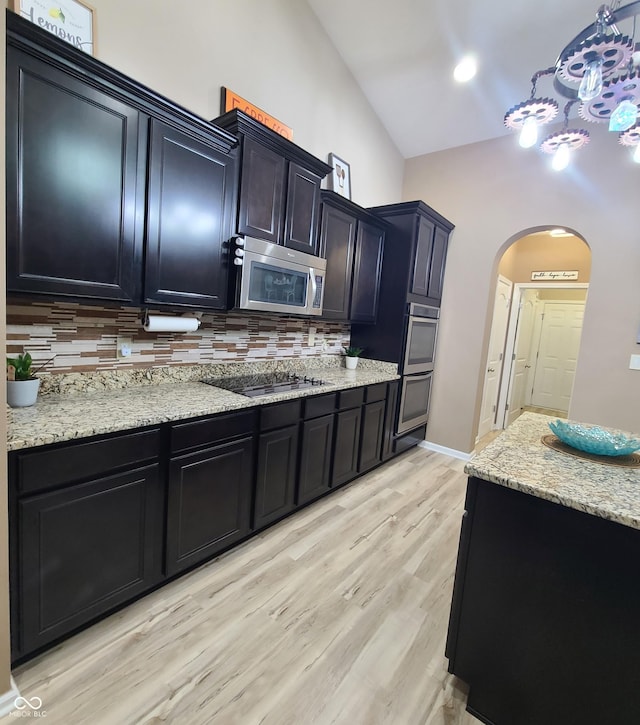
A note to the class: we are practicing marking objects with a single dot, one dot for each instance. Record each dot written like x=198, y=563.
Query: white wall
x=275, y=54
x=493, y=191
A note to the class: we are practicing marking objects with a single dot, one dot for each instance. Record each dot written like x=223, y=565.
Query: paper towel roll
x=164, y=323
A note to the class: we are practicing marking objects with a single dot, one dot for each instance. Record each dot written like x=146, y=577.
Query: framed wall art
x=340, y=179
x=70, y=20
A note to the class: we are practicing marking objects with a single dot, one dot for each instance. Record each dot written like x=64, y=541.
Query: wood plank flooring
x=335, y=615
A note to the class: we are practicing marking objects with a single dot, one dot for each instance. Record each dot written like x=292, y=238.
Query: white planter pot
x=21, y=393
x=351, y=362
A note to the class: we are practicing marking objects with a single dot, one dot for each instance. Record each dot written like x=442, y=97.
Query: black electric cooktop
x=265, y=384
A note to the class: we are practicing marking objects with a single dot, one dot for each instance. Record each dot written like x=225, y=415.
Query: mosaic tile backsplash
x=84, y=338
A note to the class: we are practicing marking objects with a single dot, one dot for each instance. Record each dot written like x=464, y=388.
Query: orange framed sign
x=231, y=101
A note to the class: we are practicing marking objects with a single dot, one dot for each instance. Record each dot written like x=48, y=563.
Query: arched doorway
x=537, y=313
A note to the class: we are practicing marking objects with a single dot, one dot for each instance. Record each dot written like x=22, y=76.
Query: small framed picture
x=70, y=20
x=340, y=180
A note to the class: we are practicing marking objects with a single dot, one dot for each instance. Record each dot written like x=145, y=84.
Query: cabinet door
x=438, y=260
x=371, y=438
x=85, y=549
x=366, y=273
x=190, y=206
x=422, y=258
x=276, y=474
x=390, y=419
x=209, y=502
x=345, y=450
x=261, y=192
x=337, y=241
x=315, y=458
x=302, y=210
x=75, y=185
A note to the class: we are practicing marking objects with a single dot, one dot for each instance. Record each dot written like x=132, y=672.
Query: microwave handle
x=314, y=286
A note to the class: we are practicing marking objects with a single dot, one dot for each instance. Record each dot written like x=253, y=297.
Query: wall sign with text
x=70, y=20
x=231, y=101
x=554, y=276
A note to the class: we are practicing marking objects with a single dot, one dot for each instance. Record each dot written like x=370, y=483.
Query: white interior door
x=557, y=355
x=522, y=361
x=495, y=360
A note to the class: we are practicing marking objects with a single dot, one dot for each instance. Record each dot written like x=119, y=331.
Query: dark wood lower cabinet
x=276, y=474
x=209, y=502
x=315, y=458
x=85, y=549
x=347, y=443
x=390, y=419
x=99, y=522
x=371, y=438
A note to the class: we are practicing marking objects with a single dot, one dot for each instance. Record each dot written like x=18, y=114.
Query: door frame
x=512, y=326
x=496, y=418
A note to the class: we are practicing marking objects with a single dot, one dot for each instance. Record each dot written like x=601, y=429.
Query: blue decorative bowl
x=593, y=439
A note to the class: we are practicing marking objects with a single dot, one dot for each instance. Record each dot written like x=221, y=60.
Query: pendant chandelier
x=599, y=70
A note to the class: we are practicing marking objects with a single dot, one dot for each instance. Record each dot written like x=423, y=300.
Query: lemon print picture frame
x=73, y=21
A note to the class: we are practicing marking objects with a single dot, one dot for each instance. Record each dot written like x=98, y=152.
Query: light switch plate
x=634, y=363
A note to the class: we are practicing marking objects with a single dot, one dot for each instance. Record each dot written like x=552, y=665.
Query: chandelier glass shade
x=599, y=70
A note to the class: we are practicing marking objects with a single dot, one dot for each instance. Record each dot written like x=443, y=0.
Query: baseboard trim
x=443, y=449
x=8, y=699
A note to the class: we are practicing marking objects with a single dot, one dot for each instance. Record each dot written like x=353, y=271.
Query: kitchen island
x=547, y=589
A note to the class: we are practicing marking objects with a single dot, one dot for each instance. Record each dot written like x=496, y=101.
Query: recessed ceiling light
x=466, y=69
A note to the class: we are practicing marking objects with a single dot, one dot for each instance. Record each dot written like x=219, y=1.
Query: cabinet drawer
x=185, y=436
x=351, y=398
x=376, y=392
x=280, y=414
x=46, y=469
x=319, y=405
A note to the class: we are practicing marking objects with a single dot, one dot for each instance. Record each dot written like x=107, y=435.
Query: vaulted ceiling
x=402, y=53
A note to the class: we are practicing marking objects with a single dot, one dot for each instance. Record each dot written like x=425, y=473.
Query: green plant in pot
x=22, y=384
x=351, y=356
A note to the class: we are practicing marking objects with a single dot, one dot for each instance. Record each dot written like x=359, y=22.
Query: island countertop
x=55, y=418
x=518, y=459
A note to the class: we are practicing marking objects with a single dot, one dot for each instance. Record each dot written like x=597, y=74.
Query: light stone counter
x=518, y=459
x=57, y=417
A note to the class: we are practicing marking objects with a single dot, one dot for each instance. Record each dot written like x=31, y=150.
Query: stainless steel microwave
x=273, y=278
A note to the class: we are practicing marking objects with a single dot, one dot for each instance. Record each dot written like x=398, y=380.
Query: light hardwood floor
x=336, y=615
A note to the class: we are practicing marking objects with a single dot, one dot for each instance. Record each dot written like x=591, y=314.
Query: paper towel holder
x=191, y=315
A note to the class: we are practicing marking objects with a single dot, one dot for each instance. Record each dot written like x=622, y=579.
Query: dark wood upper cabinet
x=366, y=273
x=261, y=207
x=74, y=179
x=438, y=259
x=419, y=237
x=190, y=205
x=77, y=154
x=303, y=210
x=279, y=185
x=422, y=257
x=337, y=243
x=352, y=242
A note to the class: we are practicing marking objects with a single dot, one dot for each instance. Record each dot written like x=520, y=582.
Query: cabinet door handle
x=491, y=370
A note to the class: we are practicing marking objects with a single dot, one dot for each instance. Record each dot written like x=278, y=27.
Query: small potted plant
x=351, y=357
x=22, y=384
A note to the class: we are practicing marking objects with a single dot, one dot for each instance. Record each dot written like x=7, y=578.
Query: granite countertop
x=57, y=417
x=518, y=459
